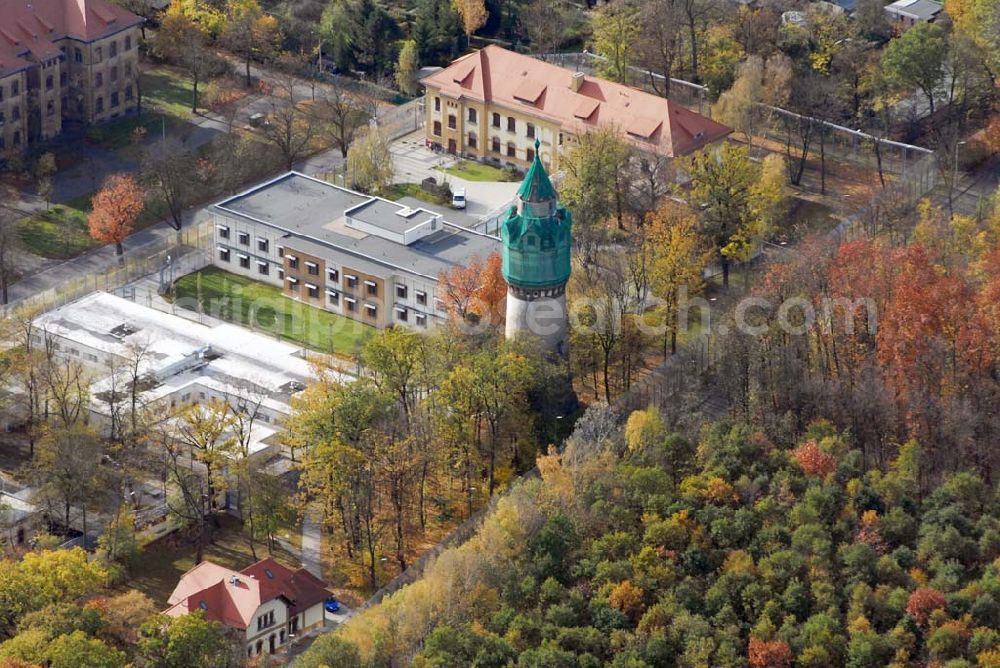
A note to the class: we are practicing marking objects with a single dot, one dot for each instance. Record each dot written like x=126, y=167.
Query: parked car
x=458, y=199
x=331, y=604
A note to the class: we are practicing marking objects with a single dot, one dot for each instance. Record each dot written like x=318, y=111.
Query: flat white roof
x=243, y=355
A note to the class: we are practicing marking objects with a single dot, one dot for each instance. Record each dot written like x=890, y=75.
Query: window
x=244, y=261
x=98, y=80
x=224, y=254
x=352, y=281
x=531, y=131
x=333, y=275
x=401, y=314
x=421, y=320
x=128, y=69
x=437, y=104
x=496, y=120
x=401, y=291
x=511, y=151
x=49, y=82
x=496, y=144
x=452, y=122
x=312, y=290
x=281, y=251
x=98, y=54
x=15, y=113
x=472, y=140
x=371, y=310
x=113, y=50
x=14, y=88
x=293, y=262
x=437, y=128
x=263, y=268
x=114, y=73
x=293, y=283
x=244, y=238
x=114, y=99
x=262, y=244
x=352, y=304
x=223, y=231
x=529, y=154
x=333, y=297
x=372, y=288
x=50, y=108
x=281, y=274
x=100, y=104
x=1, y=93
x=472, y=115
x=128, y=42
x=421, y=297
x=77, y=55
x=560, y=138
x=511, y=124
x=312, y=268
x=62, y=78
x=128, y=92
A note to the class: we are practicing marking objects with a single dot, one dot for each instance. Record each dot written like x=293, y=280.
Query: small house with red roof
x=492, y=105
x=266, y=601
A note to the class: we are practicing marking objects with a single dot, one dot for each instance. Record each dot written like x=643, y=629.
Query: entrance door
x=451, y=146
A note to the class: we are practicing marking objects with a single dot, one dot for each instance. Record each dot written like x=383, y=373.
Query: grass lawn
x=399, y=190
x=164, y=561
x=470, y=170
x=165, y=89
x=263, y=307
x=60, y=233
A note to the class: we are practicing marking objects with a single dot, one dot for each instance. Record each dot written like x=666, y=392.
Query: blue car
x=331, y=604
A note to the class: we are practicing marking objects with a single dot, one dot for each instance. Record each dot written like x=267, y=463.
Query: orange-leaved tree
x=476, y=290
x=114, y=210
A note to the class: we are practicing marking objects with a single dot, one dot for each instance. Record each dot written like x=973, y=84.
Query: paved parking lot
x=414, y=162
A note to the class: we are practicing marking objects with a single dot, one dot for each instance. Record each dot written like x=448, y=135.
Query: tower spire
x=536, y=186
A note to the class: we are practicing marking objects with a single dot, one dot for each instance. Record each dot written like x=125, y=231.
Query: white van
x=458, y=199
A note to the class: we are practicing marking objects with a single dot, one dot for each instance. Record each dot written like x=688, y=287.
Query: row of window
x=15, y=89
x=99, y=50
x=115, y=100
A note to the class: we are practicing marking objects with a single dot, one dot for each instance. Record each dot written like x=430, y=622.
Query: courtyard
x=264, y=308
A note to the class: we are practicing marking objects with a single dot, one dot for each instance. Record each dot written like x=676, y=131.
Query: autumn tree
x=181, y=40
x=733, y=198
x=369, y=161
x=291, y=124
x=760, y=84
x=45, y=170
x=114, y=210
x=407, y=66
x=343, y=114
x=595, y=187
x=916, y=59
x=677, y=260
x=168, y=168
x=476, y=290
x=473, y=13
x=250, y=33
x=616, y=28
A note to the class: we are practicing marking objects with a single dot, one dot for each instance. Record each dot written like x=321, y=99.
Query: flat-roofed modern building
x=367, y=258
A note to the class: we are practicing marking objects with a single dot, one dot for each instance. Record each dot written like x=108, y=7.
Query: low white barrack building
x=182, y=362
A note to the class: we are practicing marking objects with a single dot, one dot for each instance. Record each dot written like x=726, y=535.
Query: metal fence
x=188, y=250
x=399, y=121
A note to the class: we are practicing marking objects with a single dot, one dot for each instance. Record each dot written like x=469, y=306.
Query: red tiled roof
x=232, y=597
x=544, y=90
x=31, y=26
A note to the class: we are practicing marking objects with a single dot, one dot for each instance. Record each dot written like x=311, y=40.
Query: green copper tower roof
x=536, y=186
x=536, y=233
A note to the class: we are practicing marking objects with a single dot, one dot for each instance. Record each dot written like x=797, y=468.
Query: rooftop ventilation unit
x=123, y=330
